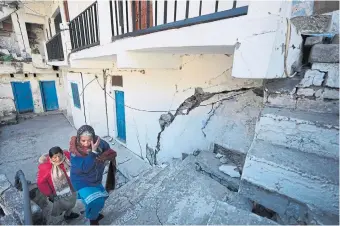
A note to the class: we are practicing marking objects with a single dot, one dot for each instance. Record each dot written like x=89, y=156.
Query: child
x=53, y=181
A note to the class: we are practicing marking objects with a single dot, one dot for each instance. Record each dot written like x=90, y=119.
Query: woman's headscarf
x=75, y=147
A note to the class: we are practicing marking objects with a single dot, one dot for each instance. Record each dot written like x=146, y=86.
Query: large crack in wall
x=185, y=108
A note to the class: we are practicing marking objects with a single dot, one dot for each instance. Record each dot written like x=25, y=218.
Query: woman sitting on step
x=54, y=182
x=88, y=156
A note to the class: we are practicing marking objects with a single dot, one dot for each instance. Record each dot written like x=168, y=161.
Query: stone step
x=226, y=214
x=178, y=195
x=125, y=197
x=293, y=163
x=305, y=131
x=305, y=177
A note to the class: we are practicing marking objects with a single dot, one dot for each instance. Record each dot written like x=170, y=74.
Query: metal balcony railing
x=84, y=30
x=54, y=48
x=134, y=18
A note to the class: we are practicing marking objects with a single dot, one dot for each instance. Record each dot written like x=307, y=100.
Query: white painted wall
x=263, y=33
x=164, y=89
x=6, y=93
x=77, y=7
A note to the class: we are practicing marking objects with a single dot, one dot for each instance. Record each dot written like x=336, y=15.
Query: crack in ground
x=124, y=161
x=159, y=220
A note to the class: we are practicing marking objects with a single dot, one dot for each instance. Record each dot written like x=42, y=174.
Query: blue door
x=23, y=96
x=49, y=95
x=120, y=115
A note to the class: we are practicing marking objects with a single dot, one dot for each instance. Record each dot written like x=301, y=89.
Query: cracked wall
x=170, y=112
x=150, y=131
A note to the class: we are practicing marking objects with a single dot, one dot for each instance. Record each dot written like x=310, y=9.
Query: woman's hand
x=95, y=145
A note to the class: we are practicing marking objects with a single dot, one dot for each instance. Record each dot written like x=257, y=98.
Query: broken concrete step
x=225, y=214
x=305, y=131
x=324, y=53
x=305, y=177
x=193, y=196
x=207, y=163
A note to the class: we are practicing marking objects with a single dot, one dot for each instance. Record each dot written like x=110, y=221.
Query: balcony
x=84, y=32
x=134, y=18
x=54, y=48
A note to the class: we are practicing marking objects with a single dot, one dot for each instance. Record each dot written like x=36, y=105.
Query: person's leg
x=69, y=205
x=92, y=210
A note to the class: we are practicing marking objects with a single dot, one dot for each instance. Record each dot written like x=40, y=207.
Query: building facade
x=168, y=78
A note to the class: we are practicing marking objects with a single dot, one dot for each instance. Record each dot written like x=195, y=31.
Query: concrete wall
x=154, y=92
x=7, y=105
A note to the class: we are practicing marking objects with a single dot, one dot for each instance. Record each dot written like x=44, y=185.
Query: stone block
x=324, y=53
x=307, y=92
x=332, y=73
x=225, y=214
x=310, y=41
x=4, y=51
x=331, y=94
x=312, y=24
x=312, y=77
x=4, y=183
x=318, y=93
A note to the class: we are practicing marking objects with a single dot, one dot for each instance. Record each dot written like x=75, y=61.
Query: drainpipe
x=105, y=98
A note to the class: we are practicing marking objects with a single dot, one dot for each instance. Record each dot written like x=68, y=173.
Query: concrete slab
x=225, y=214
x=22, y=144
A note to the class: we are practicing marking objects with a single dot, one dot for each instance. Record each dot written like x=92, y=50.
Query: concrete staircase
x=177, y=194
x=292, y=166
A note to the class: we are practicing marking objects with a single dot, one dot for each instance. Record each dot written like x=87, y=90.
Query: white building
x=166, y=78
x=27, y=83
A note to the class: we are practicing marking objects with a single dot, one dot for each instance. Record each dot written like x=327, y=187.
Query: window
x=117, y=81
x=75, y=95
